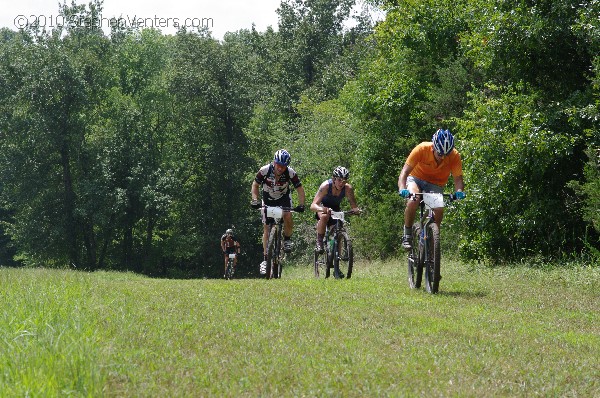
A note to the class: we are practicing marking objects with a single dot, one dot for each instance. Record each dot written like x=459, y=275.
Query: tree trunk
x=69, y=196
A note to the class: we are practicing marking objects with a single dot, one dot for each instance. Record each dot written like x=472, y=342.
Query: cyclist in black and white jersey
x=275, y=179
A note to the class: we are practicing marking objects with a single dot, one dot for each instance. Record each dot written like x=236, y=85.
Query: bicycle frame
x=337, y=242
x=426, y=252
x=275, y=238
x=230, y=266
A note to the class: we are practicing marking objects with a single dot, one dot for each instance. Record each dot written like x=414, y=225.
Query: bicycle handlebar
x=284, y=208
x=450, y=196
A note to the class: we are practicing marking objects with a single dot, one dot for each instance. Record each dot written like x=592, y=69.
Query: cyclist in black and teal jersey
x=328, y=198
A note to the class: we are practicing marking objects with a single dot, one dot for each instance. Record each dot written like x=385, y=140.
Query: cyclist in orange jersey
x=427, y=169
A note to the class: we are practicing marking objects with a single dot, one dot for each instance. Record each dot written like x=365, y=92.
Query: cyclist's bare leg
x=225, y=269
x=288, y=224
x=321, y=228
x=322, y=223
x=265, y=238
x=411, y=206
x=438, y=215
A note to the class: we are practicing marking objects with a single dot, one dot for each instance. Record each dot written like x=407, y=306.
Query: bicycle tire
x=345, y=255
x=328, y=257
x=340, y=266
x=229, y=271
x=432, y=259
x=271, y=252
x=320, y=264
x=277, y=264
x=328, y=265
x=415, y=263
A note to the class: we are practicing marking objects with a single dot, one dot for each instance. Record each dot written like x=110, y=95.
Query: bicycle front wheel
x=229, y=272
x=277, y=263
x=343, y=259
x=432, y=258
x=272, y=252
x=320, y=264
x=415, y=263
x=329, y=254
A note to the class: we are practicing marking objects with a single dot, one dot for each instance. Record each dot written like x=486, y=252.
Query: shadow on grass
x=462, y=294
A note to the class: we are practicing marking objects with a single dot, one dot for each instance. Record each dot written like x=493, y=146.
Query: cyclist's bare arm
x=301, y=195
x=254, y=190
x=404, y=175
x=459, y=183
x=352, y=199
x=316, y=203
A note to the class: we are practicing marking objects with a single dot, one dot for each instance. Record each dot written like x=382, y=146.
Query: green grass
x=489, y=332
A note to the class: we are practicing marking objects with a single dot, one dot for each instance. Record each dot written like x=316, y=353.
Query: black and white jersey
x=276, y=189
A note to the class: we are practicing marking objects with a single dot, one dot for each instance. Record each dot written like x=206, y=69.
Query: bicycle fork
x=424, y=238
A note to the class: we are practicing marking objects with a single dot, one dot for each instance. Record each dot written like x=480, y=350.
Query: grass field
x=512, y=331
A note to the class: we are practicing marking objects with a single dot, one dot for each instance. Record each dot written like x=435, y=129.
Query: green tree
x=515, y=166
x=311, y=38
x=214, y=88
x=44, y=125
x=454, y=64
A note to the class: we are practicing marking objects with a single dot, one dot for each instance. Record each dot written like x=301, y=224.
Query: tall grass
x=489, y=332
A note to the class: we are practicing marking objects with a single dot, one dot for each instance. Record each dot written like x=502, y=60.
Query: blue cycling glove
x=404, y=193
x=459, y=194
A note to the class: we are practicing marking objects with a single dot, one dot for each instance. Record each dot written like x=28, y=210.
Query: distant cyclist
x=427, y=169
x=328, y=198
x=275, y=179
x=229, y=245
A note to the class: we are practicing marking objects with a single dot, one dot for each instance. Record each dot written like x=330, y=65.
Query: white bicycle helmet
x=341, y=172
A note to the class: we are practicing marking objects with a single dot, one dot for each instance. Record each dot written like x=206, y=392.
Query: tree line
x=135, y=150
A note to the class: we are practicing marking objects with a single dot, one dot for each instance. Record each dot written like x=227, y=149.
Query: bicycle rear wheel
x=415, y=263
x=271, y=252
x=432, y=259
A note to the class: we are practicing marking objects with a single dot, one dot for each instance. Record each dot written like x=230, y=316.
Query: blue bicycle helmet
x=282, y=157
x=443, y=142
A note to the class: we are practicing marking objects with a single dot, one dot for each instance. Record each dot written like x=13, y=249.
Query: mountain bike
x=275, y=240
x=338, y=252
x=230, y=270
x=425, y=253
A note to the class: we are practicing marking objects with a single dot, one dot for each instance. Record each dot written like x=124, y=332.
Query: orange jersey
x=426, y=168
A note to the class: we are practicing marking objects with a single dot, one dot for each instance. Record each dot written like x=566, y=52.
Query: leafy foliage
x=517, y=180
x=137, y=150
